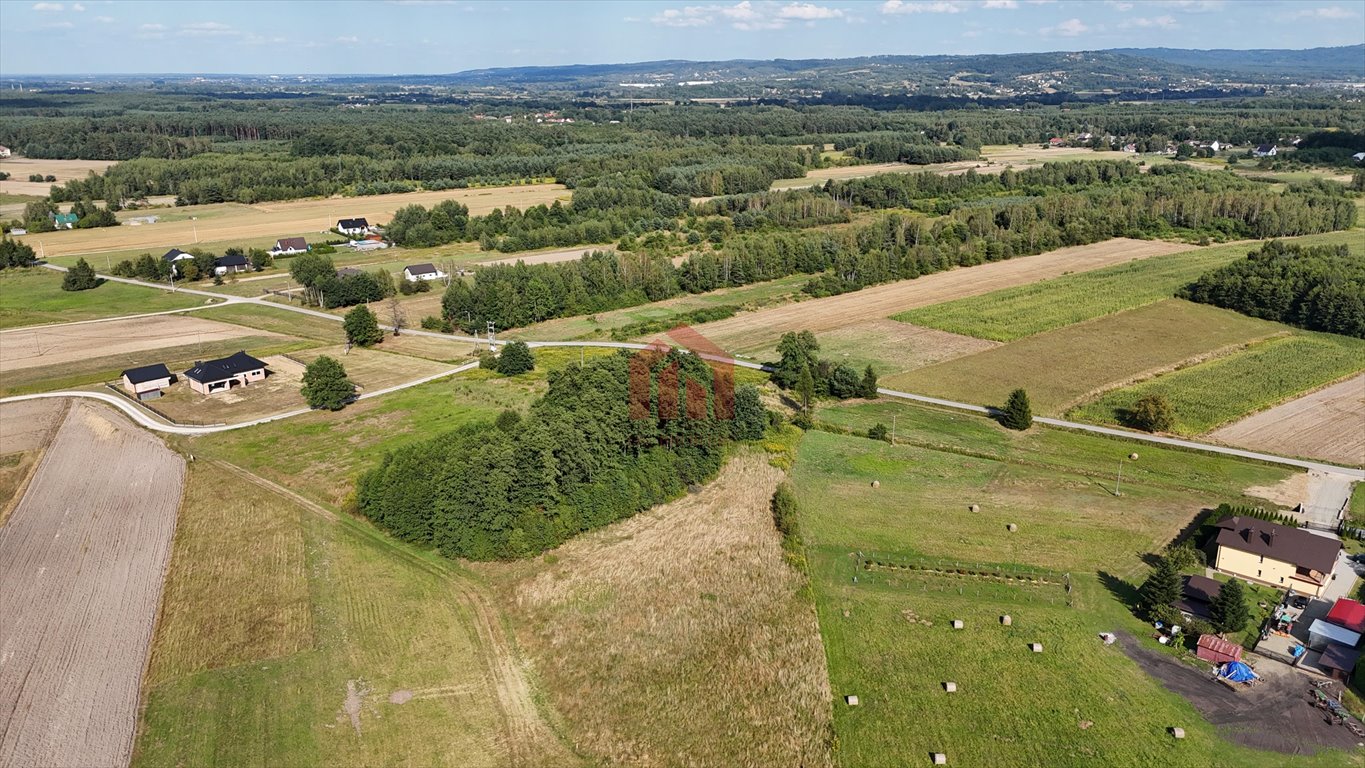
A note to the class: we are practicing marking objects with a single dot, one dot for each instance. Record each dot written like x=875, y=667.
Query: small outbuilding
x=1323, y=633
x=1349, y=614
x=1196, y=595
x=1339, y=661
x=1216, y=650
x=147, y=382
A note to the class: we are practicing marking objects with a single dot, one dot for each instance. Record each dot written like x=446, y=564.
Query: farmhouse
x=146, y=383
x=289, y=246
x=1266, y=150
x=1196, y=595
x=176, y=255
x=65, y=220
x=233, y=263
x=4, y=151
x=221, y=375
x=1359, y=157
x=353, y=227
x=1273, y=554
x=417, y=272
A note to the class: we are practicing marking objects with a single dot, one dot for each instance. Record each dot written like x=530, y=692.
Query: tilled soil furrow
x=81, y=564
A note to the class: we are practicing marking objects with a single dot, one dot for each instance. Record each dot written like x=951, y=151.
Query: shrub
x=515, y=358
x=1153, y=413
x=879, y=432
x=81, y=277
x=783, y=507
x=431, y=323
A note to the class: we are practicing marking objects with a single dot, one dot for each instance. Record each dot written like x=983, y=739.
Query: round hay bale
x=1011, y=527
x=974, y=508
x=1132, y=457
x=876, y=483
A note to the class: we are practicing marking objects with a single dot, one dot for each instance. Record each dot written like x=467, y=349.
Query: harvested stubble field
x=34, y=296
x=680, y=636
x=760, y=330
x=19, y=169
x=1328, y=425
x=237, y=222
x=58, y=345
x=1062, y=367
x=1218, y=391
x=26, y=429
x=81, y=566
x=891, y=347
x=293, y=636
x=888, y=635
x=373, y=369
x=283, y=321
x=545, y=257
x=1013, y=313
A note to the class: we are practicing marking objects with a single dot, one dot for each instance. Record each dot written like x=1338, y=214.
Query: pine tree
x=1161, y=589
x=869, y=386
x=805, y=389
x=362, y=327
x=81, y=277
x=325, y=385
x=515, y=358
x=1017, y=413
x=1228, y=612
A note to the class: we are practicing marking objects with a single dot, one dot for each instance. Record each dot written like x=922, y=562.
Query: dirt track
x=1274, y=715
x=1328, y=424
x=81, y=565
x=758, y=330
x=54, y=345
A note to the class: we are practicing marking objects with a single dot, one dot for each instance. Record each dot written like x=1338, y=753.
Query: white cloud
x=808, y=12
x=1192, y=6
x=1118, y=6
x=1068, y=28
x=348, y=40
x=151, y=31
x=1160, y=22
x=207, y=29
x=78, y=8
x=972, y=33
x=1007, y=5
x=746, y=15
x=935, y=6
x=105, y=19
x=48, y=7
x=1329, y=12
x=58, y=25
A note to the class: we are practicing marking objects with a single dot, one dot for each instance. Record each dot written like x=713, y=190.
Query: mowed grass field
x=1062, y=367
x=887, y=635
x=1216, y=392
x=34, y=296
x=1013, y=313
x=288, y=638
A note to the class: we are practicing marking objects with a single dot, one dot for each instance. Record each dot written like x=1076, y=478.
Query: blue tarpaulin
x=1237, y=672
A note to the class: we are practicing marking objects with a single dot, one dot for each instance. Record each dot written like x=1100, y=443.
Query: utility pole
x=1119, y=479
x=893, y=429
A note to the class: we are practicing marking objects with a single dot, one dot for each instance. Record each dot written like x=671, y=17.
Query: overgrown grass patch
x=34, y=296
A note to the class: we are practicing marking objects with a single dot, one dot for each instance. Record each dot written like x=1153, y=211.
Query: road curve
x=143, y=418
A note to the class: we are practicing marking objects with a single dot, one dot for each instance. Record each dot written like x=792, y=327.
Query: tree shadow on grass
x=1121, y=590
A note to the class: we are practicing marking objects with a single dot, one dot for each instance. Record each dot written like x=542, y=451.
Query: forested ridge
x=609, y=439
x=1321, y=288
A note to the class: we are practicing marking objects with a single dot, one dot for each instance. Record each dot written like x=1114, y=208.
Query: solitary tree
x=1017, y=413
x=869, y=387
x=1153, y=413
x=1228, y=611
x=1161, y=589
x=805, y=389
x=515, y=358
x=325, y=385
x=397, y=317
x=878, y=431
x=362, y=327
x=81, y=277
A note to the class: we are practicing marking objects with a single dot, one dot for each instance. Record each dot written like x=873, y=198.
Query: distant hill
x=1344, y=62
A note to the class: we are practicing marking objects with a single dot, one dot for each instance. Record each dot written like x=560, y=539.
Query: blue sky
x=435, y=36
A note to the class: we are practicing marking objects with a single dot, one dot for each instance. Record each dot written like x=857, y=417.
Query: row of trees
x=801, y=371
x=201, y=267
x=607, y=440
x=15, y=254
x=1321, y=288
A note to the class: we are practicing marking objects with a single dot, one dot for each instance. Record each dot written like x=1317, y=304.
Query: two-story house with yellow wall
x=1267, y=553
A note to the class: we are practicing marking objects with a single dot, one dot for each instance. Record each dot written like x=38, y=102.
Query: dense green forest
x=609, y=439
x=1321, y=288
x=1169, y=201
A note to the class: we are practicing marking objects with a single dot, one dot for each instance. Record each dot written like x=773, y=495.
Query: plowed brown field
x=81, y=564
x=760, y=330
x=54, y=345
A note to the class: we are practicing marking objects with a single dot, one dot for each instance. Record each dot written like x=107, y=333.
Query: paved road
x=1345, y=475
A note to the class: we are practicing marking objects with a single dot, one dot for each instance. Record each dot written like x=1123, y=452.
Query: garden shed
x=1216, y=650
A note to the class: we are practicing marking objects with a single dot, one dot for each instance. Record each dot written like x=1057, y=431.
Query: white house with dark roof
x=233, y=263
x=416, y=272
x=239, y=369
x=1266, y=150
x=353, y=227
x=289, y=246
x=146, y=383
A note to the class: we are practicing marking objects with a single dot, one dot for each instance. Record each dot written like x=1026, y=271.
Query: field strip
x=42, y=346
x=761, y=329
x=81, y=570
x=257, y=480
x=1328, y=424
x=547, y=257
